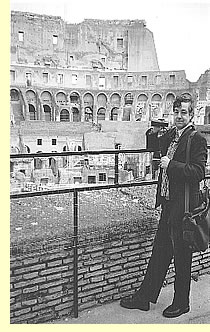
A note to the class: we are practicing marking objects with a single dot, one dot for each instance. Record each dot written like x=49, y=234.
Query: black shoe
x=133, y=302
x=173, y=311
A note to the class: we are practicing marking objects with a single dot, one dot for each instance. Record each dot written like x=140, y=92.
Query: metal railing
x=82, y=188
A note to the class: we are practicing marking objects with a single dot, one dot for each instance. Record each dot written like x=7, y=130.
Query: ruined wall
x=91, y=43
x=141, y=49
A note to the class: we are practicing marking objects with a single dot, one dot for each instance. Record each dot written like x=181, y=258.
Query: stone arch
x=61, y=98
x=128, y=99
x=14, y=95
x=64, y=116
x=101, y=114
x=141, y=107
x=76, y=115
x=31, y=96
x=187, y=94
x=47, y=113
x=88, y=100
x=142, y=97
x=46, y=97
x=114, y=114
x=170, y=97
x=156, y=97
x=32, y=112
x=75, y=98
x=156, y=101
x=115, y=99
x=101, y=100
x=168, y=105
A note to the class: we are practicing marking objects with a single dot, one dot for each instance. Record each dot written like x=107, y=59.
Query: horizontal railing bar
x=75, y=153
x=83, y=188
x=78, y=153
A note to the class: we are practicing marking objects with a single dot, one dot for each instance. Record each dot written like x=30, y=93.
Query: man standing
x=169, y=243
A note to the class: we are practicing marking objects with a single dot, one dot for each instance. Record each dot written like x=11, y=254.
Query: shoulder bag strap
x=187, y=189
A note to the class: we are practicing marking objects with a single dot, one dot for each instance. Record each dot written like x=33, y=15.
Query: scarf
x=170, y=153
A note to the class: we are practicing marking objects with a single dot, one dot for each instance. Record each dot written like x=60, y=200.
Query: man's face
x=182, y=116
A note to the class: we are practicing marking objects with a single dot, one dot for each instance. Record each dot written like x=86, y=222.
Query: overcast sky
x=181, y=28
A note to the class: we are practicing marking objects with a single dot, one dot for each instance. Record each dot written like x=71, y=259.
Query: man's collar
x=180, y=132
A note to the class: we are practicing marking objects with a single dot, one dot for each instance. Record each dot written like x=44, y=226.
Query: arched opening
x=209, y=118
x=46, y=97
x=32, y=112
x=47, y=113
x=141, y=107
x=64, y=116
x=31, y=97
x=128, y=99
x=101, y=114
x=76, y=114
x=114, y=114
x=74, y=98
x=115, y=100
x=102, y=100
x=14, y=95
x=88, y=100
x=142, y=98
x=61, y=98
x=169, y=105
x=155, y=106
x=88, y=114
x=156, y=97
x=170, y=97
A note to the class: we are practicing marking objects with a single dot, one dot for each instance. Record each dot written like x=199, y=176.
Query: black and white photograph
x=109, y=138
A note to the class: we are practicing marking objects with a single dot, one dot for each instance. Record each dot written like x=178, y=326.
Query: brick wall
x=109, y=267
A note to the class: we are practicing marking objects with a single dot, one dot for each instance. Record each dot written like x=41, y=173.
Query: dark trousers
x=168, y=243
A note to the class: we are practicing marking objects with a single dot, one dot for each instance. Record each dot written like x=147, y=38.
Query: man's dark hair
x=184, y=98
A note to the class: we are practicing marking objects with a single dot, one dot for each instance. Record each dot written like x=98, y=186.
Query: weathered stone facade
x=92, y=85
x=95, y=71
x=110, y=44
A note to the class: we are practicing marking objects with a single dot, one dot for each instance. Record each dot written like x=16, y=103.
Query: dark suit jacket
x=179, y=171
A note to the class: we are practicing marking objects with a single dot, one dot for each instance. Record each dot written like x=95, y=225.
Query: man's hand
x=155, y=129
x=164, y=161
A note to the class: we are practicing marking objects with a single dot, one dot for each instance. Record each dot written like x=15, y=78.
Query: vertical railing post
x=75, y=247
x=116, y=168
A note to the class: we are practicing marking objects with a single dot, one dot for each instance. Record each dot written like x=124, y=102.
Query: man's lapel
x=182, y=144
